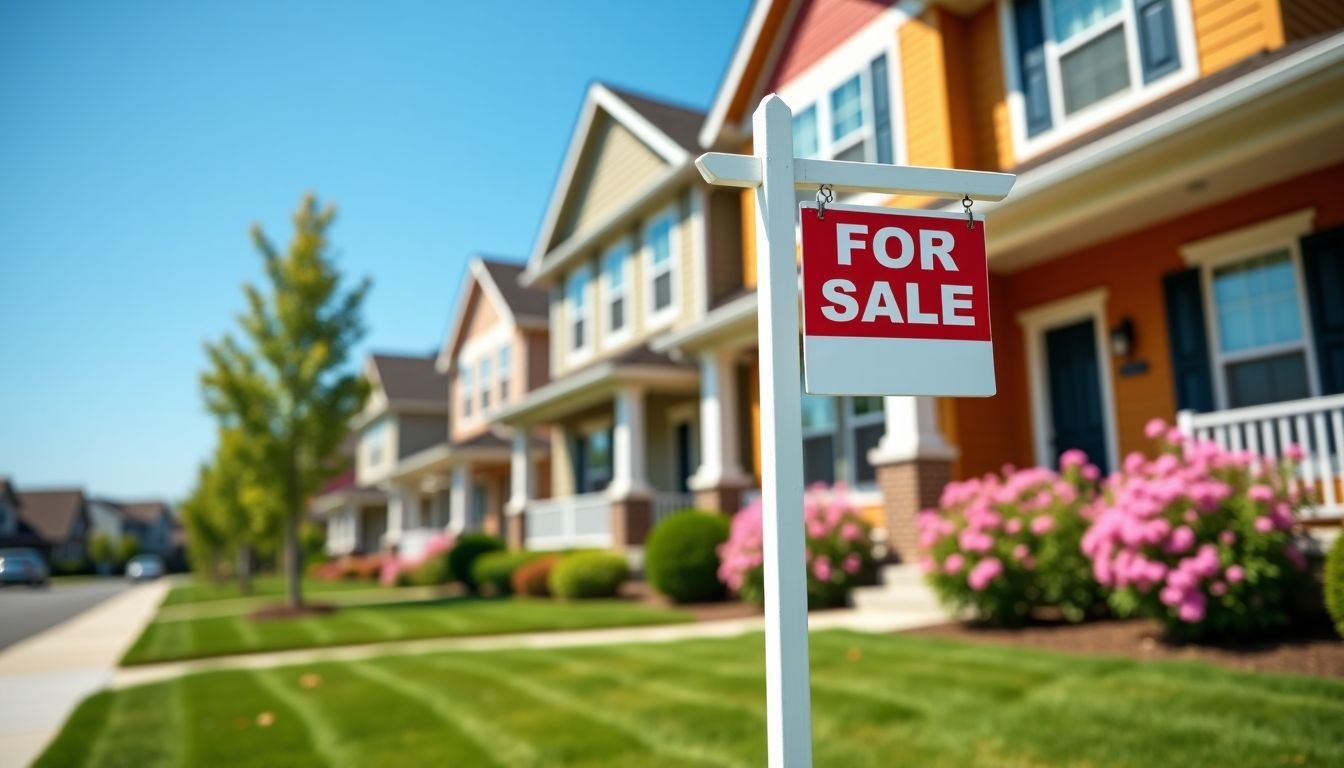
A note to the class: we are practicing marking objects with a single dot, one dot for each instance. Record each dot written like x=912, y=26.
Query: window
x=846, y=109
x=867, y=423
x=818, y=439
x=593, y=461
x=1261, y=345
x=805, y=132
x=485, y=383
x=661, y=247
x=374, y=443
x=505, y=369
x=852, y=122
x=1074, y=54
x=616, y=290
x=576, y=295
x=838, y=433
x=464, y=387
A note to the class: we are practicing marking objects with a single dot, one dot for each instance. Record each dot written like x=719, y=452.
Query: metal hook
x=967, y=202
x=824, y=196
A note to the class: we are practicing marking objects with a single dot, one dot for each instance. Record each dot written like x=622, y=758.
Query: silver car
x=144, y=568
x=23, y=566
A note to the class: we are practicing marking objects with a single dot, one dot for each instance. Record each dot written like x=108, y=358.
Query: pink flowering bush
x=429, y=568
x=1199, y=537
x=1005, y=545
x=839, y=549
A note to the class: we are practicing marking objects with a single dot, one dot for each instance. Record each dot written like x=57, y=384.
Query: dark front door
x=684, y=468
x=1075, y=392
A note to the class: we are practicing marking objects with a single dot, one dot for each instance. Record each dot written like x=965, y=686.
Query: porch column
x=632, y=507
x=521, y=488
x=356, y=528
x=719, y=480
x=457, y=500
x=913, y=463
x=403, y=512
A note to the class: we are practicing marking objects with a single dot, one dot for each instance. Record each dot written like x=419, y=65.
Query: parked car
x=145, y=568
x=23, y=566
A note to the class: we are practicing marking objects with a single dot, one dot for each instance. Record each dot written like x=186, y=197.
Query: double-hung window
x=576, y=299
x=838, y=433
x=464, y=391
x=851, y=121
x=485, y=384
x=865, y=426
x=818, y=439
x=593, y=460
x=660, y=238
x=616, y=292
x=505, y=372
x=1074, y=54
x=1262, y=346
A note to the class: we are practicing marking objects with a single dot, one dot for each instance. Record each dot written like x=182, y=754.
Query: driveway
x=27, y=611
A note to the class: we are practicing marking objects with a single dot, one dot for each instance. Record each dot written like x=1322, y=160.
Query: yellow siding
x=1227, y=31
x=925, y=93
x=991, y=125
x=616, y=162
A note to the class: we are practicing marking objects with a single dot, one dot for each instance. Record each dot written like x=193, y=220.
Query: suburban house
x=59, y=519
x=106, y=517
x=1174, y=242
x=633, y=245
x=152, y=524
x=405, y=413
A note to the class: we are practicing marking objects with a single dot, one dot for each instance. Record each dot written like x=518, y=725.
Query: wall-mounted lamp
x=1122, y=338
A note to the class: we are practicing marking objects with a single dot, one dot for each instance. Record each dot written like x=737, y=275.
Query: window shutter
x=1157, y=39
x=1323, y=273
x=1031, y=64
x=1188, y=339
x=881, y=109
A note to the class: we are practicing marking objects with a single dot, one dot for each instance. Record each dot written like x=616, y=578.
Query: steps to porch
x=902, y=590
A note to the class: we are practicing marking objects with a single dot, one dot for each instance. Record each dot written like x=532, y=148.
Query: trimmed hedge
x=681, y=558
x=585, y=575
x=1334, y=583
x=463, y=556
x=532, y=579
x=493, y=571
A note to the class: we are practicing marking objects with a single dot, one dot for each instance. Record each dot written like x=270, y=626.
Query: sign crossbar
x=775, y=173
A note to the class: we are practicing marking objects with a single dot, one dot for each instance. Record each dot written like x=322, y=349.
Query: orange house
x=1174, y=243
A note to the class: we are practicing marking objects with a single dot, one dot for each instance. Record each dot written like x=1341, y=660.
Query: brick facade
x=631, y=520
x=908, y=487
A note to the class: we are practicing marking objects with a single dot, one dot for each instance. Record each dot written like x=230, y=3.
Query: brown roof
x=7, y=490
x=146, y=512
x=523, y=302
x=681, y=124
x=51, y=514
x=410, y=378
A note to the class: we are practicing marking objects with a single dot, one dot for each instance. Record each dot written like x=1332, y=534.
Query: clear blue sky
x=139, y=140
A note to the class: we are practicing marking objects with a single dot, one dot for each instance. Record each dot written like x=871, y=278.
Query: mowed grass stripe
x=654, y=736
x=324, y=734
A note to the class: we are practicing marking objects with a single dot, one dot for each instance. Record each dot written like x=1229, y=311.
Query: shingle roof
x=410, y=378
x=680, y=123
x=51, y=514
x=146, y=512
x=528, y=302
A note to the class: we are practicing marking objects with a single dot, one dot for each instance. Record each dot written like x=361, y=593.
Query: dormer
x=407, y=411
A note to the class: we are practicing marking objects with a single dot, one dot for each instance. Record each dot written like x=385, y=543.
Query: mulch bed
x=1309, y=648
x=730, y=609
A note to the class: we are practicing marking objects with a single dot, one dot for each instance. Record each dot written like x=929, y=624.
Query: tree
x=128, y=546
x=101, y=550
x=286, y=387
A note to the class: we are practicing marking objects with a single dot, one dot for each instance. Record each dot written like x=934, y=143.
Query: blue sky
x=139, y=140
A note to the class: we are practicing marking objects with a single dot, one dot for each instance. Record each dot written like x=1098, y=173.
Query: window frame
x=1064, y=127
x=654, y=318
x=578, y=353
x=483, y=384
x=853, y=423
x=625, y=292
x=466, y=394
x=505, y=368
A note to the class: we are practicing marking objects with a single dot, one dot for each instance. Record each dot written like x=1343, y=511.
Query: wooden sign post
x=775, y=173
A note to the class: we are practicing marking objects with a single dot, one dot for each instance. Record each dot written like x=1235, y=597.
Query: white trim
x=478, y=274
x=1066, y=127
x=656, y=319
x=1035, y=322
x=477, y=345
x=1281, y=233
x=737, y=68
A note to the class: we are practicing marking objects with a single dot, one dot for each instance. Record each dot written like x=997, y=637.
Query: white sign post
x=774, y=172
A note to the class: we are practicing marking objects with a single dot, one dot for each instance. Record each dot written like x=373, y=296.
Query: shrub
x=1334, y=583
x=681, y=557
x=394, y=570
x=1199, y=537
x=431, y=572
x=463, y=555
x=839, y=549
x=326, y=571
x=361, y=567
x=1005, y=545
x=585, y=575
x=532, y=579
x=493, y=571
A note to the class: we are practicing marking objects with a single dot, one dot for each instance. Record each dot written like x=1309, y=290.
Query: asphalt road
x=25, y=611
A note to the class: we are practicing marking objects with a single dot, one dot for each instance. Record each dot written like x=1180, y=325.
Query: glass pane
x=819, y=460
x=818, y=412
x=578, y=334
x=1256, y=303
x=846, y=108
x=662, y=291
x=613, y=267
x=505, y=359
x=1095, y=71
x=1073, y=16
x=576, y=289
x=617, y=314
x=597, y=460
x=1267, y=380
x=866, y=439
x=660, y=239
x=805, y=132
x=865, y=405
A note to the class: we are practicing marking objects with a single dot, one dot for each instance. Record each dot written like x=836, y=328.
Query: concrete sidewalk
x=45, y=676
x=854, y=619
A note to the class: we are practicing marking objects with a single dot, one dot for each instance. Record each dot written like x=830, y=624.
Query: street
x=25, y=612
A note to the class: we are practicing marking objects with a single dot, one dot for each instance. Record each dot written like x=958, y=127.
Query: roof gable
x=407, y=379
x=497, y=283
x=52, y=515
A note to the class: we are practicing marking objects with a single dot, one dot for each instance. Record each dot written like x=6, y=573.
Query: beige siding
x=1227, y=31
x=616, y=162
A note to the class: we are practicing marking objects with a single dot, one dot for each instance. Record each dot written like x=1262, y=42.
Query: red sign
x=895, y=302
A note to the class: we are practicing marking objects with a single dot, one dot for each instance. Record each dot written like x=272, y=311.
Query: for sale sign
x=895, y=302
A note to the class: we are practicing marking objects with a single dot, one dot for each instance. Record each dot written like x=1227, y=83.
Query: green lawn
x=195, y=590
x=877, y=701
x=167, y=639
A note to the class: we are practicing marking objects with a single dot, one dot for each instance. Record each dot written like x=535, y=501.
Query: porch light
x=1122, y=338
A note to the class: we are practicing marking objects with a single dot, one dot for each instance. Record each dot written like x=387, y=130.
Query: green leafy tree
x=231, y=508
x=285, y=384
x=128, y=546
x=101, y=550
x=206, y=541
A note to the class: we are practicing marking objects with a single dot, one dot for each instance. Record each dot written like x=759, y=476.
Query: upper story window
x=660, y=237
x=576, y=300
x=1073, y=55
x=851, y=120
x=505, y=372
x=485, y=383
x=805, y=132
x=616, y=290
x=374, y=443
x=464, y=390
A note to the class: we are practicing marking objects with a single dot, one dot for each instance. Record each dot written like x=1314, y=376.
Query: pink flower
x=821, y=568
x=852, y=563
x=850, y=532
x=1013, y=526
x=1295, y=557
x=1192, y=607
x=954, y=563
x=1264, y=524
x=1294, y=452
x=1020, y=552
x=983, y=573
x=1182, y=539
x=1072, y=459
x=1261, y=493
x=1091, y=473
x=1227, y=537
x=1218, y=588
x=1042, y=524
x=1175, y=436
x=1154, y=428
x=1234, y=574
x=927, y=564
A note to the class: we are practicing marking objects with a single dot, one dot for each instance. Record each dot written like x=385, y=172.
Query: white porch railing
x=667, y=502
x=570, y=521
x=1316, y=425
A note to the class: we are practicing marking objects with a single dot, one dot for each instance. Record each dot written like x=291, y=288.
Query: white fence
x=571, y=521
x=1316, y=425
